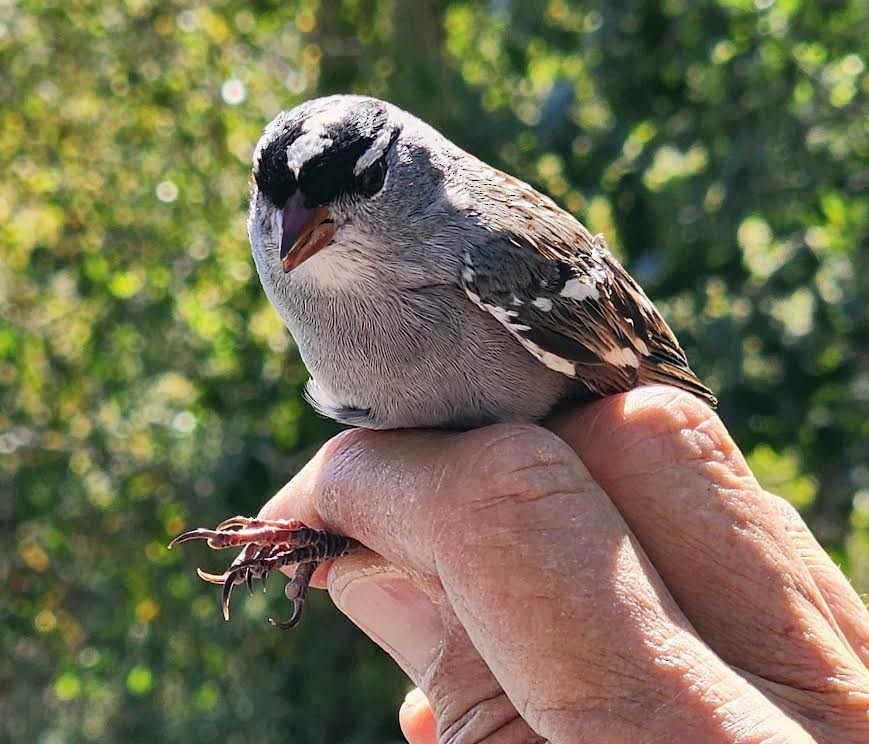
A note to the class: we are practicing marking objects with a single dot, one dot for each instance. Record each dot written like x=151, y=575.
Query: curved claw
x=238, y=521
x=237, y=575
x=212, y=578
x=293, y=621
x=227, y=592
x=198, y=534
x=256, y=522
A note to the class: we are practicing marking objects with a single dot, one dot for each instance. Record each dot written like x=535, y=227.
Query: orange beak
x=304, y=231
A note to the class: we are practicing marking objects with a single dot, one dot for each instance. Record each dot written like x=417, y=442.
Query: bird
x=426, y=288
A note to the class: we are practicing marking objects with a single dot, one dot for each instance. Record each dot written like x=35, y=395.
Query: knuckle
x=336, y=465
x=507, y=472
x=345, y=444
x=486, y=720
x=675, y=410
x=786, y=511
x=665, y=425
x=519, y=460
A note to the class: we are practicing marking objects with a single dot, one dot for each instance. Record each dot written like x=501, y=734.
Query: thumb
x=391, y=609
x=409, y=617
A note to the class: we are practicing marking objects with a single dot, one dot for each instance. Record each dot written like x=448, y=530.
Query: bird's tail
x=677, y=375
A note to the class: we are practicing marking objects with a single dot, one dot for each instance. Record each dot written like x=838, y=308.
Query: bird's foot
x=267, y=545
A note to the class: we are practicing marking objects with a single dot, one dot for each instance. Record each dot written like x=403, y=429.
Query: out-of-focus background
x=146, y=385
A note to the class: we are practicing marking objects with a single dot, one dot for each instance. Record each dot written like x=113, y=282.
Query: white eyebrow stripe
x=304, y=148
x=378, y=147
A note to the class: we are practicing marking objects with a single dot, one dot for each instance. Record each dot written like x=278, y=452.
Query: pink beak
x=304, y=231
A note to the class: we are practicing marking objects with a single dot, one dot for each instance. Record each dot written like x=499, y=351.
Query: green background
x=146, y=385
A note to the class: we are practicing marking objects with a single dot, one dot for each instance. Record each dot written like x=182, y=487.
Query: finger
x=716, y=538
x=543, y=577
x=397, y=475
x=410, y=618
x=849, y=612
x=397, y=612
x=417, y=719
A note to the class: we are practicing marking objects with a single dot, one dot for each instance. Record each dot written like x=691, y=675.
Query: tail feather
x=668, y=373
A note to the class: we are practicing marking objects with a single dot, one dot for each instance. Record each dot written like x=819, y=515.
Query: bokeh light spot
x=166, y=191
x=233, y=92
x=139, y=681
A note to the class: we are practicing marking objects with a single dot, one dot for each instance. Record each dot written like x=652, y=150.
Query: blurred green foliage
x=146, y=385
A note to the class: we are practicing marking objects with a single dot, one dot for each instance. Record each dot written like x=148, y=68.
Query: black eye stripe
x=273, y=177
x=331, y=172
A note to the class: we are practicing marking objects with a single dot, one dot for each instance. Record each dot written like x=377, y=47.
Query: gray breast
x=424, y=357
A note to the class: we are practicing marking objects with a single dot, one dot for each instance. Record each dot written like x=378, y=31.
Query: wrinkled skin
x=619, y=577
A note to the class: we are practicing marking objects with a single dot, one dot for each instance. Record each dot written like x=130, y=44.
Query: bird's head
x=344, y=186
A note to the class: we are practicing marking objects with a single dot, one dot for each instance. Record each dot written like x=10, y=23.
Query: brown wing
x=566, y=299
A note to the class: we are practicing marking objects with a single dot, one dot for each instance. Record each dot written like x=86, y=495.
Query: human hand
x=647, y=589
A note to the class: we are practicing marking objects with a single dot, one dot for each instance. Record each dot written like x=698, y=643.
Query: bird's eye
x=372, y=178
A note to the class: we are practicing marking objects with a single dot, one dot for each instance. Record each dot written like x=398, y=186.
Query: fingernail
x=395, y=614
x=416, y=719
x=413, y=698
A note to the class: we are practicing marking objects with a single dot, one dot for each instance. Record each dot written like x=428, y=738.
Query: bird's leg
x=267, y=545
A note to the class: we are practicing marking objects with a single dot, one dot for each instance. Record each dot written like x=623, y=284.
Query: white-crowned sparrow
x=425, y=288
